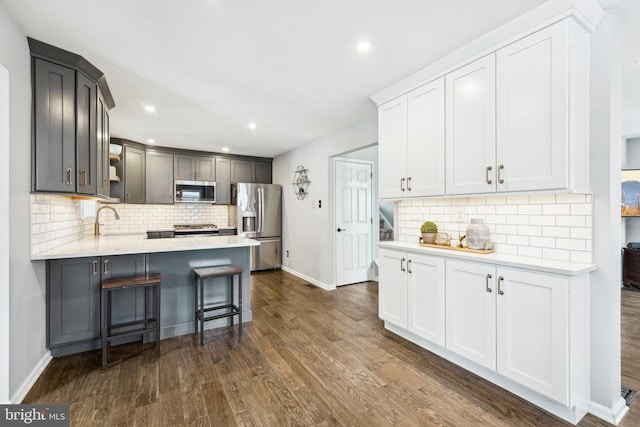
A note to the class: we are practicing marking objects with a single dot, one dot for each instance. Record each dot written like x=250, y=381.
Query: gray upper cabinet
x=103, y=163
x=134, y=175
x=159, y=175
x=262, y=172
x=54, y=138
x=86, y=135
x=67, y=133
x=194, y=168
x=249, y=171
x=73, y=309
x=223, y=181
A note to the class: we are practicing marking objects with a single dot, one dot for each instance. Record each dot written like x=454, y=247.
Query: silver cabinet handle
x=500, y=280
x=402, y=264
x=500, y=169
x=94, y=265
x=486, y=175
x=126, y=197
x=105, y=267
x=409, y=184
x=402, y=184
x=83, y=174
x=69, y=182
x=409, y=266
x=486, y=283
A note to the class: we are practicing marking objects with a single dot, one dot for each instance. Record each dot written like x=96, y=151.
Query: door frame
x=4, y=243
x=333, y=216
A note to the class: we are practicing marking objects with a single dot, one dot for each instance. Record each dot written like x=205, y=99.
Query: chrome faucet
x=96, y=227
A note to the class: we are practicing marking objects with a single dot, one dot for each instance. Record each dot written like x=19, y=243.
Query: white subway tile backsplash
x=545, y=225
x=55, y=220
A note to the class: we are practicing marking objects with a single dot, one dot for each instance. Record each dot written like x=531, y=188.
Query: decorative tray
x=487, y=250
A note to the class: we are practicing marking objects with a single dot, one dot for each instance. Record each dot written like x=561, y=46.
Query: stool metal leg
x=231, y=299
x=240, y=301
x=157, y=320
x=201, y=311
x=104, y=329
x=195, y=304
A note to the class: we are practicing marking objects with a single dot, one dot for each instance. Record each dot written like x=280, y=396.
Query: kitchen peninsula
x=75, y=271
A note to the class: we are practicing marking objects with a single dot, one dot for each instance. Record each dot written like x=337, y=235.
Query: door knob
x=341, y=229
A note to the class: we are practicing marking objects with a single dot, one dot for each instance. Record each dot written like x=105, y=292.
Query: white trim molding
x=31, y=379
x=310, y=279
x=4, y=229
x=611, y=415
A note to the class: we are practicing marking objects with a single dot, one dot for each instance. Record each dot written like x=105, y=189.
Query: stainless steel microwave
x=195, y=192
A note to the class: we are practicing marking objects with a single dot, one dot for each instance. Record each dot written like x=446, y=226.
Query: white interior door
x=353, y=219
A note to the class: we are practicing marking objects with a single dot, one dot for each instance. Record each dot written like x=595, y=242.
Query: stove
x=194, y=228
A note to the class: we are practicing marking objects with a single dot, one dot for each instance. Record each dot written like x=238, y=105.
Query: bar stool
x=149, y=324
x=202, y=274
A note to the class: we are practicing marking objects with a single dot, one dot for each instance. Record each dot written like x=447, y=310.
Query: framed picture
x=630, y=183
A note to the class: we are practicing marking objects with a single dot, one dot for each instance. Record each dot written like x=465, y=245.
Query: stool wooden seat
x=201, y=316
x=148, y=324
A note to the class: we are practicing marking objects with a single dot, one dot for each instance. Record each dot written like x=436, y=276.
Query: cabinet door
x=184, y=167
x=159, y=177
x=533, y=331
x=470, y=128
x=205, y=168
x=262, y=172
x=426, y=297
x=127, y=304
x=533, y=112
x=241, y=171
x=392, y=149
x=102, y=169
x=54, y=152
x=86, y=135
x=223, y=181
x=392, y=287
x=470, y=311
x=134, y=175
x=425, y=140
x=73, y=295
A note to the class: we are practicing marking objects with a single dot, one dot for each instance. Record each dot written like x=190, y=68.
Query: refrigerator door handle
x=261, y=192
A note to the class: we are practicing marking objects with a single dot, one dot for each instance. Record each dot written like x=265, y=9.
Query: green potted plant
x=429, y=232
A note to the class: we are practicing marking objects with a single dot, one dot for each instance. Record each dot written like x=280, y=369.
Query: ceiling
x=289, y=66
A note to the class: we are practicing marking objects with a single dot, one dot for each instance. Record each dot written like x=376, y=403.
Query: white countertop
x=564, y=268
x=138, y=244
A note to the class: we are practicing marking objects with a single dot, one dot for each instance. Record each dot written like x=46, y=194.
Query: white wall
x=27, y=347
x=4, y=231
x=307, y=232
x=605, y=158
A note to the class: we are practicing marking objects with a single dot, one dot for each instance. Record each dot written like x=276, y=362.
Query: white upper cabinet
x=515, y=120
x=425, y=145
x=470, y=134
x=533, y=121
x=411, y=143
x=392, y=148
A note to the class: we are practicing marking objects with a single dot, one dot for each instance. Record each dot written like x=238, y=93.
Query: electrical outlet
x=313, y=204
x=460, y=214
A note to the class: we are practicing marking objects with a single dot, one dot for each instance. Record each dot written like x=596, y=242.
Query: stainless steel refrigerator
x=259, y=216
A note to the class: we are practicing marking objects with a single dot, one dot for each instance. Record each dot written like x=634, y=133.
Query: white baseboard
x=611, y=415
x=31, y=379
x=310, y=280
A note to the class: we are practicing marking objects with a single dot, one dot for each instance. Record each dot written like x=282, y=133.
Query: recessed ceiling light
x=225, y=149
x=363, y=46
x=151, y=141
x=149, y=108
x=252, y=125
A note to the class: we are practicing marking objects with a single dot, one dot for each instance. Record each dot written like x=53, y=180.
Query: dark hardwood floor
x=309, y=358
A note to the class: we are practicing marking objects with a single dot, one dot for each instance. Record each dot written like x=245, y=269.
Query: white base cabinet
x=524, y=330
x=412, y=293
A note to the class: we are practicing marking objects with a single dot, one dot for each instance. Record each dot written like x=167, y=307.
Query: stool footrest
x=235, y=311
x=139, y=331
